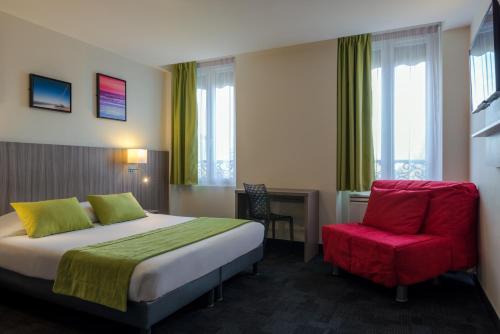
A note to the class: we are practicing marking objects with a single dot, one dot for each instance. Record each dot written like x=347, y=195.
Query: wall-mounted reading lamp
x=136, y=157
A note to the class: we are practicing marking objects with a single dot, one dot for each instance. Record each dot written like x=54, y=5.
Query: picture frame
x=50, y=94
x=111, y=98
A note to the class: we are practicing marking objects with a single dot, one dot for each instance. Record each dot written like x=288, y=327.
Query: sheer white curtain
x=216, y=123
x=407, y=103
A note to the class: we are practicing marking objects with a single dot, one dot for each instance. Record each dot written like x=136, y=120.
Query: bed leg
x=211, y=298
x=219, y=295
x=218, y=291
x=401, y=293
x=145, y=330
x=255, y=268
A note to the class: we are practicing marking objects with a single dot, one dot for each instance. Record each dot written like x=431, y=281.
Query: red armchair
x=412, y=231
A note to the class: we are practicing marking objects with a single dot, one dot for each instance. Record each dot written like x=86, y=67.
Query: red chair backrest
x=452, y=208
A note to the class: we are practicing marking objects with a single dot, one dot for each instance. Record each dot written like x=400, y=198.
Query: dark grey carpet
x=288, y=296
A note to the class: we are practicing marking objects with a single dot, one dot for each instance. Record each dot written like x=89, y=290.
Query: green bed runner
x=101, y=273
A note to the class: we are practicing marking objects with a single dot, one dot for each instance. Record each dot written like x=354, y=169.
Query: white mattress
x=152, y=278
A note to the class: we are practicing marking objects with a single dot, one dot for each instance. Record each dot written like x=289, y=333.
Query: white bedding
x=152, y=278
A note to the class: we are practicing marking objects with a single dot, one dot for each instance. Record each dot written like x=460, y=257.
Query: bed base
x=142, y=315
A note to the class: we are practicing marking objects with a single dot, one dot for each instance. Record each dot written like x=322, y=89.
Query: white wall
x=481, y=8
x=487, y=177
x=26, y=48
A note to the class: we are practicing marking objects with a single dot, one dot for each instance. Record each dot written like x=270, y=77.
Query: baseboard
x=489, y=307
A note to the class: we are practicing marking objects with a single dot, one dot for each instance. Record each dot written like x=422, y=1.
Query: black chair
x=260, y=208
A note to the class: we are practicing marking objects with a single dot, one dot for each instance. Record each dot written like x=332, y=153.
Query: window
x=406, y=91
x=216, y=123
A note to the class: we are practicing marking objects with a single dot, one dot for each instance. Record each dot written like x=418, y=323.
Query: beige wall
x=286, y=120
x=26, y=48
x=201, y=201
x=285, y=111
x=455, y=46
x=487, y=177
x=286, y=124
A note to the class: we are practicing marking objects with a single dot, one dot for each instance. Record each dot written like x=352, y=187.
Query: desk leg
x=311, y=242
x=241, y=206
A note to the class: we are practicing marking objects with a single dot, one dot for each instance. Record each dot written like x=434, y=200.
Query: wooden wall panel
x=4, y=172
x=34, y=172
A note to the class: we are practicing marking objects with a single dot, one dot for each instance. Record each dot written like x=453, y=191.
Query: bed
x=158, y=287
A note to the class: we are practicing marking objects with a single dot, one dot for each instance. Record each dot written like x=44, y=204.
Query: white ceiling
x=161, y=32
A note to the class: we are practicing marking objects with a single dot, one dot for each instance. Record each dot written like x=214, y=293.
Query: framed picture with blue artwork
x=111, y=98
x=50, y=94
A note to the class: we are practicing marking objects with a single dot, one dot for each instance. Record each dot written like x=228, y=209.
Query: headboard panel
x=33, y=172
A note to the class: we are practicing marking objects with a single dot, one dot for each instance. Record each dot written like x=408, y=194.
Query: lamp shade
x=137, y=156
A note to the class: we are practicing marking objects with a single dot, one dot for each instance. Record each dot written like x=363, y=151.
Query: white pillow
x=89, y=210
x=11, y=225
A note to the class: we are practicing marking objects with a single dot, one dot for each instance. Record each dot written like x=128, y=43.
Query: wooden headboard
x=33, y=172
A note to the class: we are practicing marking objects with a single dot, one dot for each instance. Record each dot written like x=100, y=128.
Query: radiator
x=357, y=207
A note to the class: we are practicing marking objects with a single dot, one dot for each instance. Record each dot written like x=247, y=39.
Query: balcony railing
x=405, y=169
x=220, y=173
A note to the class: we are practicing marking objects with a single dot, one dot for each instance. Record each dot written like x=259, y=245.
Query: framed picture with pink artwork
x=111, y=98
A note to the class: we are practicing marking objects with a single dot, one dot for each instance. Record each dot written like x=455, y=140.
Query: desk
x=310, y=200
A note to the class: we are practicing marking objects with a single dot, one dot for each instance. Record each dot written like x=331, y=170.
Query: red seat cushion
x=396, y=211
x=383, y=257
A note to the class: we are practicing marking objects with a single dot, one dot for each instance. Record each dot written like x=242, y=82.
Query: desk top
x=285, y=192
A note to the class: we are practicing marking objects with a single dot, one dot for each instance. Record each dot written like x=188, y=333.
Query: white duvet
x=152, y=278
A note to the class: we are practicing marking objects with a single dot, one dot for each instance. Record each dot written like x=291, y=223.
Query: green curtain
x=184, y=125
x=355, y=160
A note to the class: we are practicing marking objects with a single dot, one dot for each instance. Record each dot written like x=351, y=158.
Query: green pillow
x=51, y=217
x=116, y=208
